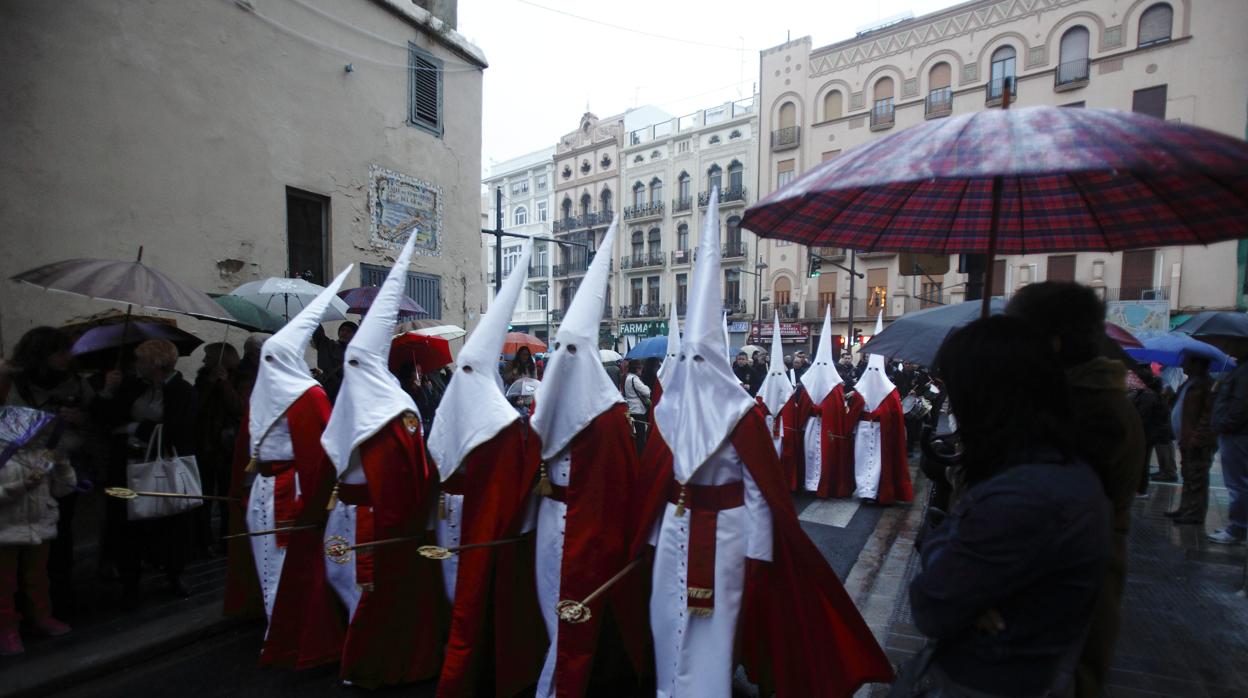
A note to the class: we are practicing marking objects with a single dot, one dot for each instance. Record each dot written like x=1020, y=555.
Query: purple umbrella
x=107, y=337
x=359, y=300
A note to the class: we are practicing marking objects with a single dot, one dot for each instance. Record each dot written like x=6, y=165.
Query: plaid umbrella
x=1039, y=179
x=359, y=300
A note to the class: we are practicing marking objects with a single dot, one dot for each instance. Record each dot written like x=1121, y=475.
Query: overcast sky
x=549, y=58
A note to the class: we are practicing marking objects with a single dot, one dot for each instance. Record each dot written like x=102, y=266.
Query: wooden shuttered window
x=424, y=108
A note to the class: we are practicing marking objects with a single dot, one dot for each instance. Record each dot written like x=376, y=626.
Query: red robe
x=243, y=598
x=496, y=582
x=836, y=472
x=799, y=633
x=792, y=446
x=895, y=485
x=394, y=635
x=595, y=546
x=308, y=623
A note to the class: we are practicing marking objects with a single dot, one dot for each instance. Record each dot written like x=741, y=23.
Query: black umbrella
x=1224, y=329
x=917, y=336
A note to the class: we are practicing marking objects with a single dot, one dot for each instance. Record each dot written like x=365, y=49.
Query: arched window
x=714, y=177
x=736, y=179
x=639, y=195
x=654, y=243
x=1002, y=70
x=605, y=198
x=639, y=246
x=1156, y=24
x=833, y=105
x=586, y=202
x=1073, y=57
x=939, y=89
x=682, y=184
x=520, y=216
x=783, y=292
x=567, y=208
x=735, y=248
x=682, y=237
x=882, y=107
x=656, y=191
x=788, y=115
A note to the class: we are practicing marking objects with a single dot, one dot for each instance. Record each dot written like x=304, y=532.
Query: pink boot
x=10, y=643
x=49, y=627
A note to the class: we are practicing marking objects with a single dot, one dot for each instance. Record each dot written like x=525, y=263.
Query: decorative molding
x=970, y=73
x=857, y=122
x=1112, y=37
x=910, y=87
x=1037, y=56
x=941, y=28
x=1110, y=66
x=856, y=100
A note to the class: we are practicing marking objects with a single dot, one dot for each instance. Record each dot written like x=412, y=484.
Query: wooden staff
x=127, y=493
x=271, y=531
x=337, y=550
x=571, y=611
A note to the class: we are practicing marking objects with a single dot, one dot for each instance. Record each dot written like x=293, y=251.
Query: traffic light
x=815, y=265
x=857, y=338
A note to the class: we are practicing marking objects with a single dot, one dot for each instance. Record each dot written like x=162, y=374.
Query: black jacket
x=1230, y=407
x=181, y=409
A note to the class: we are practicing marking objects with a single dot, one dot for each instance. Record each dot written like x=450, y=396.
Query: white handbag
x=176, y=475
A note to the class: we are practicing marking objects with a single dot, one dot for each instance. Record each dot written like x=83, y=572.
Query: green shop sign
x=649, y=328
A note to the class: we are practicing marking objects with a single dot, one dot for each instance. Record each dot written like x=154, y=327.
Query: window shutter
x=425, y=82
x=939, y=77
x=1155, y=24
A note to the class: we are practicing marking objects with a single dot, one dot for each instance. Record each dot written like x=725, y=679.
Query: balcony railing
x=939, y=103
x=733, y=250
x=1127, y=293
x=725, y=196
x=654, y=208
x=787, y=311
x=535, y=272
x=556, y=314
x=643, y=260
x=786, y=138
x=883, y=113
x=643, y=311
x=813, y=310
x=1071, y=73
x=995, y=89
x=685, y=204
x=734, y=306
x=585, y=220
x=570, y=268
x=682, y=257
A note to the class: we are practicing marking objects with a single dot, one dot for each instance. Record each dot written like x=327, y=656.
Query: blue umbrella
x=1170, y=348
x=648, y=348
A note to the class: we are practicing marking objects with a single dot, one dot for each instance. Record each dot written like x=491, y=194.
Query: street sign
x=789, y=332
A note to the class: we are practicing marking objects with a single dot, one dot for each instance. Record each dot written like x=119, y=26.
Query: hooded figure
x=589, y=467
x=487, y=461
x=294, y=478
x=384, y=487
x=828, y=432
x=881, y=471
x=780, y=403
x=728, y=550
x=669, y=360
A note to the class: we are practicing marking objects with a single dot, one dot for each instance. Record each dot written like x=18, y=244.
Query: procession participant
x=294, y=478
x=881, y=470
x=588, y=471
x=487, y=457
x=727, y=539
x=827, y=431
x=669, y=360
x=779, y=399
x=374, y=440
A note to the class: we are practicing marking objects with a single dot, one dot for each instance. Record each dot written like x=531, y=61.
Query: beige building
x=1181, y=60
x=237, y=141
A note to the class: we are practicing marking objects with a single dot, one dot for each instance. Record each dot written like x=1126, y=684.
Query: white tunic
x=814, y=452
x=276, y=447
x=449, y=532
x=775, y=440
x=694, y=654
x=551, y=526
x=340, y=529
x=867, y=462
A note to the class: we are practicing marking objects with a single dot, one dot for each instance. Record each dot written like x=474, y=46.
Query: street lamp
x=759, y=266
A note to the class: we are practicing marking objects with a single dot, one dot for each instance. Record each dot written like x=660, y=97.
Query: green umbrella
x=250, y=316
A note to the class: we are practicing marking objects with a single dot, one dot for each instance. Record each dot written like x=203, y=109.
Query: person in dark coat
x=1230, y=422
x=221, y=408
x=1107, y=432
x=156, y=395
x=1193, y=410
x=1158, y=435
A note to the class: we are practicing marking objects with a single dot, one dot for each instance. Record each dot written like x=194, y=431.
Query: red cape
x=394, y=635
x=495, y=583
x=603, y=476
x=308, y=623
x=243, y=598
x=792, y=445
x=836, y=472
x=895, y=485
x=799, y=633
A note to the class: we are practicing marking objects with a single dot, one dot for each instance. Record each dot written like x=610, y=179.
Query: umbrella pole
x=125, y=330
x=986, y=308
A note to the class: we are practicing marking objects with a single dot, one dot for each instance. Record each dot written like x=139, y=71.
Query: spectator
x=1230, y=422
x=742, y=370
x=613, y=371
x=30, y=478
x=420, y=386
x=1009, y=578
x=249, y=365
x=41, y=376
x=329, y=356
x=521, y=366
x=637, y=395
x=650, y=371
x=1106, y=430
x=758, y=371
x=1158, y=435
x=800, y=364
x=221, y=408
x=1190, y=419
x=156, y=395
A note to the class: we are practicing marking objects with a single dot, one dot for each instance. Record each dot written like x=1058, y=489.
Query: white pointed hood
x=283, y=375
x=575, y=387
x=474, y=408
x=874, y=384
x=673, y=347
x=821, y=376
x=776, y=388
x=370, y=395
x=702, y=400
x=727, y=339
